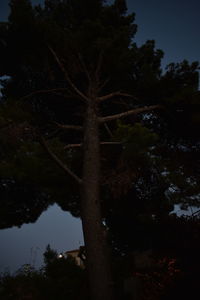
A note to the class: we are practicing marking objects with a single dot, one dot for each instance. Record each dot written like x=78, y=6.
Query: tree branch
x=103, y=84
x=196, y=212
x=73, y=86
x=99, y=65
x=43, y=92
x=108, y=130
x=69, y=146
x=129, y=112
x=111, y=95
x=84, y=67
x=69, y=96
x=58, y=161
x=110, y=143
x=68, y=127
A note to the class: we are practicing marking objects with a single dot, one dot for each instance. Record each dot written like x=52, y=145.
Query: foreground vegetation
x=169, y=270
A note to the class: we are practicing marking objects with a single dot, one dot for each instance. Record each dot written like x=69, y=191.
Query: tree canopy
x=96, y=43
x=104, y=113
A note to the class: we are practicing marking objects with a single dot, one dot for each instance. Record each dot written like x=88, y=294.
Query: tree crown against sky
x=95, y=40
x=73, y=65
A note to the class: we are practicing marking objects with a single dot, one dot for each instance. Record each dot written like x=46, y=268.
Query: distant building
x=78, y=255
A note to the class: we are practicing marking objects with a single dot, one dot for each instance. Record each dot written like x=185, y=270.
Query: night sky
x=27, y=244
x=174, y=25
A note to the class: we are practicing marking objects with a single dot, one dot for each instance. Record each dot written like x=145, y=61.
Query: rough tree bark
x=98, y=264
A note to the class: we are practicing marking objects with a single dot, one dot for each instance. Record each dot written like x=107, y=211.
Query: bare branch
x=58, y=161
x=67, y=96
x=73, y=86
x=129, y=112
x=84, y=67
x=110, y=143
x=108, y=130
x=68, y=127
x=103, y=84
x=69, y=146
x=43, y=92
x=115, y=94
x=99, y=65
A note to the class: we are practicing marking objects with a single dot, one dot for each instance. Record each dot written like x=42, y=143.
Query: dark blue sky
x=174, y=24
x=27, y=244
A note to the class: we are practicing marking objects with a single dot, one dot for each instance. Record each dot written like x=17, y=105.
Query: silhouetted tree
x=69, y=61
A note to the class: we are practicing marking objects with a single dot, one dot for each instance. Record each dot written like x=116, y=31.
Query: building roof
x=73, y=251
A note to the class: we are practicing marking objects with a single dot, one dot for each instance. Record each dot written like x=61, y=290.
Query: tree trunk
x=98, y=263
